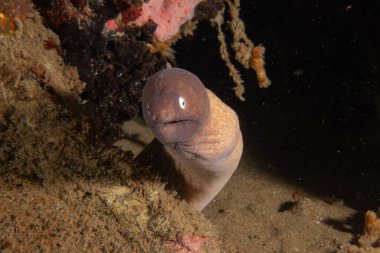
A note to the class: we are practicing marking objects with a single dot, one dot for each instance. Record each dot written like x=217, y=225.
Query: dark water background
x=318, y=125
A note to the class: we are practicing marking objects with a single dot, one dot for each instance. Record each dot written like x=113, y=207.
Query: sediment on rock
x=59, y=190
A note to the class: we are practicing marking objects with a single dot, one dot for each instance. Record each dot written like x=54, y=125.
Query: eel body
x=197, y=129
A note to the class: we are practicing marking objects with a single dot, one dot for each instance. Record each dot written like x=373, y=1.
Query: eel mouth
x=168, y=123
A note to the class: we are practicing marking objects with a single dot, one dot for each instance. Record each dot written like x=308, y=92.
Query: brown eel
x=197, y=129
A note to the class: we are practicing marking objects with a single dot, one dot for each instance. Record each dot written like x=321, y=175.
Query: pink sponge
x=169, y=15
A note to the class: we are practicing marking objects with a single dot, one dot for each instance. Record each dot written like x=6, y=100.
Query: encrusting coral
x=168, y=15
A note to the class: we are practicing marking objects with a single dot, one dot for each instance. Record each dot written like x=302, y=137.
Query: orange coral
x=369, y=242
x=372, y=223
x=12, y=13
x=246, y=53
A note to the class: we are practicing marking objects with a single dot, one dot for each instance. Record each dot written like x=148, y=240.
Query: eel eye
x=181, y=102
x=148, y=109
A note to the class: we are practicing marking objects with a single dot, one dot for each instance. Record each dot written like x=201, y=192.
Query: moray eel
x=197, y=129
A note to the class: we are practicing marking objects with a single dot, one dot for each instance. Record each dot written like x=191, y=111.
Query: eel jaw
x=167, y=123
x=174, y=131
